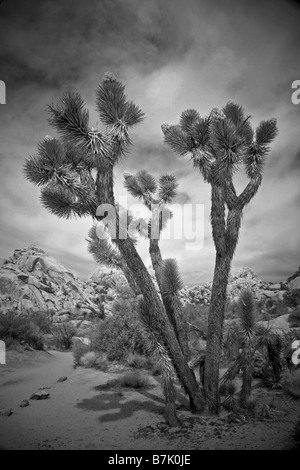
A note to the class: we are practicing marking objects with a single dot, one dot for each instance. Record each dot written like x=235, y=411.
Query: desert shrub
x=43, y=321
x=101, y=362
x=269, y=379
x=119, y=334
x=138, y=361
x=88, y=359
x=79, y=349
x=259, y=365
x=63, y=333
x=196, y=318
x=228, y=391
x=20, y=328
x=292, y=297
x=288, y=337
x=262, y=412
x=196, y=315
x=294, y=318
x=231, y=310
x=134, y=380
x=291, y=383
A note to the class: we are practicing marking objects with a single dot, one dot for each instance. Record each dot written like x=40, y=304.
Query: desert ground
x=83, y=412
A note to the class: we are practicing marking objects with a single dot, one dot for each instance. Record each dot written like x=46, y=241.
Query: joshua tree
x=218, y=144
x=76, y=175
x=144, y=186
x=253, y=337
x=246, y=308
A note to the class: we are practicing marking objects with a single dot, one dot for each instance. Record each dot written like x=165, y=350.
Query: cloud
x=171, y=55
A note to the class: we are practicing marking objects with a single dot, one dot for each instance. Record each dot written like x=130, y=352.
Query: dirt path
x=80, y=414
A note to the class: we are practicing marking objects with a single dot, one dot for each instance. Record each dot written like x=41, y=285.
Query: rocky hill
x=31, y=281
x=241, y=279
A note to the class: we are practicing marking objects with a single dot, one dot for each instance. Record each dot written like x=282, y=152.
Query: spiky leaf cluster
x=220, y=142
x=101, y=248
x=171, y=281
x=246, y=311
x=115, y=111
x=61, y=170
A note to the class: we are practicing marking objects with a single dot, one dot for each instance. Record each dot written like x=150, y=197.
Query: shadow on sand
x=121, y=407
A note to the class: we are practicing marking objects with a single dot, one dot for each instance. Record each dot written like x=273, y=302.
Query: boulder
x=269, y=294
x=24, y=403
x=274, y=286
x=9, y=284
x=27, y=306
x=82, y=340
x=294, y=283
x=61, y=318
x=40, y=395
x=62, y=379
x=32, y=281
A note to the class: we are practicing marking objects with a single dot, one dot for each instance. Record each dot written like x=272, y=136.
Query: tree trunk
x=170, y=398
x=105, y=195
x=247, y=369
x=225, y=237
x=130, y=278
x=215, y=332
x=144, y=282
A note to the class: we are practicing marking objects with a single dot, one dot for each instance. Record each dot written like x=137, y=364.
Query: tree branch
x=249, y=191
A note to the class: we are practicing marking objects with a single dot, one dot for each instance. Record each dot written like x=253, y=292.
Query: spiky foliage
x=155, y=197
x=167, y=188
x=170, y=283
x=272, y=343
x=252, y=337
x=102, y=249
x=140, y=184
x=156, y=347
x=70, y=117
x=115, y=111
x=246, y=310
x=62, y=203
x=170, y=278
x=65, y=177
x=219, y=143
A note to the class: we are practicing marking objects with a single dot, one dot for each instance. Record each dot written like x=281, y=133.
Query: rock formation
x=31, y=281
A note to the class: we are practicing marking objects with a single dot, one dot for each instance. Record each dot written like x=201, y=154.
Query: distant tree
x=76, y=173
x=218, y=144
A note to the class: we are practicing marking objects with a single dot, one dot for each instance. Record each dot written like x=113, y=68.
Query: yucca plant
x=76, y=174
x=250, y=338
x=218, y=144
x=247, y=318
x=155, y=345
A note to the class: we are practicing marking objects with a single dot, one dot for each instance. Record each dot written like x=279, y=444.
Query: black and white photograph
x=149, y=227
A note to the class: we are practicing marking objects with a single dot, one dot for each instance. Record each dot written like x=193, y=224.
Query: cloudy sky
x=171, y=55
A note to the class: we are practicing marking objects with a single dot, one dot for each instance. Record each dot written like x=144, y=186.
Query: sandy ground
x=80, y=414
